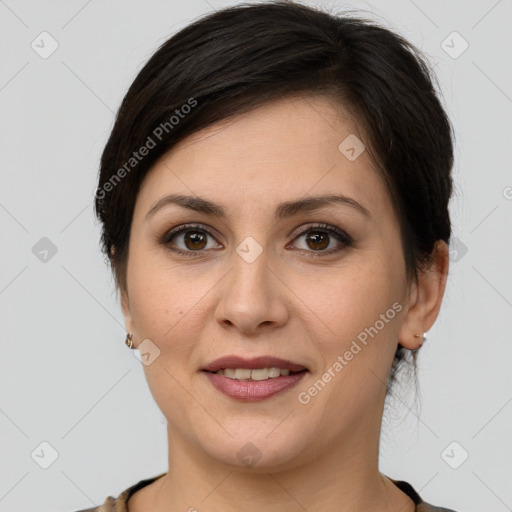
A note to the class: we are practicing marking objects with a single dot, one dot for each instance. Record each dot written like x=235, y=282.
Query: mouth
x=253, y=379
x=256, y=374
x=263, y=367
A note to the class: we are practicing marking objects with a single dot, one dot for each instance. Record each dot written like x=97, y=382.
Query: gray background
x=66, y=377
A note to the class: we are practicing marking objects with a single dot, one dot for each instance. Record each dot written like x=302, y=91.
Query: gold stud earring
x=422, y=336
x=129, y=340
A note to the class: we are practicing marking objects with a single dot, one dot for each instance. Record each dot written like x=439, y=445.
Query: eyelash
x=340, y=235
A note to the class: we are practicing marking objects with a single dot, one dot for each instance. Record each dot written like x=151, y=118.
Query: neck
x=345, y=477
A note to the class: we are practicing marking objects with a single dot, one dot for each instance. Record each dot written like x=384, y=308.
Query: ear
x=425, y=298
x=125, y=307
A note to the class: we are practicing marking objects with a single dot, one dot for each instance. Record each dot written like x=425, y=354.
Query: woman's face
x=264, y=280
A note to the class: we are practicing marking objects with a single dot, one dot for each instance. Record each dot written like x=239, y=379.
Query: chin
x=257, y=453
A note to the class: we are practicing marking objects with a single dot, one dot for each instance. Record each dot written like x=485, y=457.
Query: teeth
x=260, y=374
x=274, y=372
x=256, y=374
x=242, y=373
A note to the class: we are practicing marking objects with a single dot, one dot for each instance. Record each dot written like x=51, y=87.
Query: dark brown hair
x=234, y=60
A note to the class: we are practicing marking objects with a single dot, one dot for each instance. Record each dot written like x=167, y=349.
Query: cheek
x=165, y=301
x=362, y=315
x=167, y=307
x=352, y=298
x=356, y=317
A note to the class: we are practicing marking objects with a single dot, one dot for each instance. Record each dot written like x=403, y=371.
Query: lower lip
x=253, y=390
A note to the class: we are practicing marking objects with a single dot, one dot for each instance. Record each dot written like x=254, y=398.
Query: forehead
x=286, y=148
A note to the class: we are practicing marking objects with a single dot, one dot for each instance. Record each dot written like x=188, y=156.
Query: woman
x=274, y=205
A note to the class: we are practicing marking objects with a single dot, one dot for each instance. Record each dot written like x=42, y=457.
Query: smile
x=253, y=379
x=255, y=374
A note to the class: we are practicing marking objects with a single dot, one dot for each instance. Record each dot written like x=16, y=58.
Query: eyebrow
x=283, y=211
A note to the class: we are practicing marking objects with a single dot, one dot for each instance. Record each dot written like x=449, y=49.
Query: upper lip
x=253, y=363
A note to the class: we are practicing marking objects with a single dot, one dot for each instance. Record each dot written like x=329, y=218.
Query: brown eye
x=194, y=240
x=188, y=239
x=318, y=238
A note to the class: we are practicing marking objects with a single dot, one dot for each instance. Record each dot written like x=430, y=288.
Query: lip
x=234, y=361
x=253, y=390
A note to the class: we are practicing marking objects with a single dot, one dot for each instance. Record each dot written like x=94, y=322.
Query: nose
x=253, y=297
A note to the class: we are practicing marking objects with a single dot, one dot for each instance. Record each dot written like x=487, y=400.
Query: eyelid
x=322, y=227
x=178, y=230
x=343, y=238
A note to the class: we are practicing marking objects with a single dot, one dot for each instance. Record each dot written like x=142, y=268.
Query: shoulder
x=425, y=507
x=118, y=504
x=421, y=506
x=111, y=504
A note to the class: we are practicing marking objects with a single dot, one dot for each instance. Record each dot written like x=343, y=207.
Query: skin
x=319, y=456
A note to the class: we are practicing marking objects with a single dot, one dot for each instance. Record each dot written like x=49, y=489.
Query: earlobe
x=425, y=298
